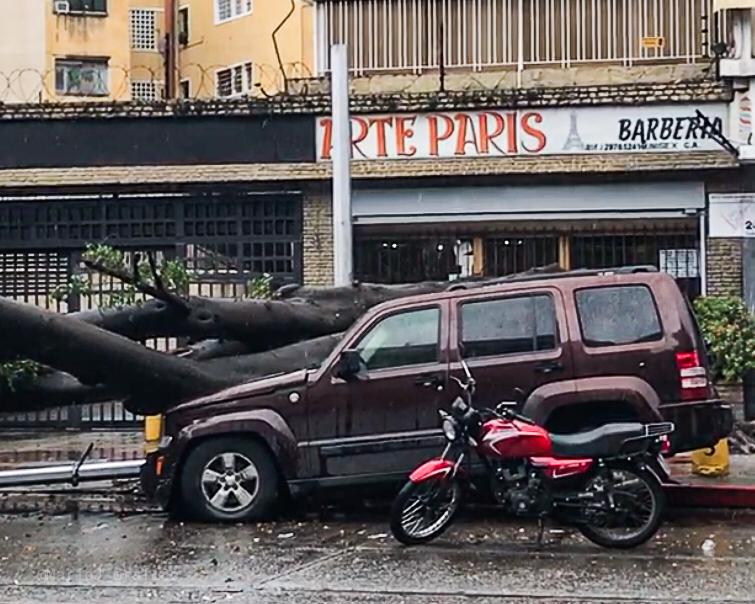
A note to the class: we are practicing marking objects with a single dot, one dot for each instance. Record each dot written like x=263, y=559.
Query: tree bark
x=95, y=357
x=56, y=388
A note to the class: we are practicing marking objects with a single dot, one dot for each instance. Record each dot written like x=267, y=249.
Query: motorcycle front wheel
x=638, y=504
x=423, y=511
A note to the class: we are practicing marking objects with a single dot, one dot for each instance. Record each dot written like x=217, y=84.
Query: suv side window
x=611, y=316
x=508, y=326
x=408, y=338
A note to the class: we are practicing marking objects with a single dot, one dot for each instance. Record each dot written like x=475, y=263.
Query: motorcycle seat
x=600, y=442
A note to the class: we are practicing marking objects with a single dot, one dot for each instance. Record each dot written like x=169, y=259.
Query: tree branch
x=145, y=288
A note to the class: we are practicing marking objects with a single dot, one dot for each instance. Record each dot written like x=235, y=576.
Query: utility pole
x=343, y=253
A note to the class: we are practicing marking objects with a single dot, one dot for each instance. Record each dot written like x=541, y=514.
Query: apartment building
x=93, y=50
x=489, y=136
x=73, y=50
x=226, y=48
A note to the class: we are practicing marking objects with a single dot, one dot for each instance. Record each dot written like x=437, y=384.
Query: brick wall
x=317, y=239
x=724, y=267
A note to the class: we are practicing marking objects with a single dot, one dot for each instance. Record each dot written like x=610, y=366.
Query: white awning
x=536, y=202
x=728, y=4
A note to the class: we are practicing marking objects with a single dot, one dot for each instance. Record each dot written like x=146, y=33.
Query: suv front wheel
x=229, y=479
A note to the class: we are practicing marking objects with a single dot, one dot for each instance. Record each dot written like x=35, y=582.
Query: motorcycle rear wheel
x=423, y=511
x=640, y=504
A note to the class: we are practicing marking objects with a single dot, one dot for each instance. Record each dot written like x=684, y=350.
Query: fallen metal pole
x=69, y=474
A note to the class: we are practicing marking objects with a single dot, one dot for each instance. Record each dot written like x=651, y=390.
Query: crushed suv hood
x=256, y=387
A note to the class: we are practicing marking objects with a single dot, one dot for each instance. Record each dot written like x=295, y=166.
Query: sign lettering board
x=732, y=215
x=497, y=133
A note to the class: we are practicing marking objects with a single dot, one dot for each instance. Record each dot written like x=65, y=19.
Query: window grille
x=143, y=27
x=235, y=80
x=145, y=90
x=226, y=10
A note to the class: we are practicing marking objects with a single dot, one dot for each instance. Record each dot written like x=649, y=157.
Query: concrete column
x=343, y=253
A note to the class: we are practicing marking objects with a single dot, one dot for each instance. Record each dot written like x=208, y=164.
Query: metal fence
x=671, y=246
x=421, y=35
x=225, y=241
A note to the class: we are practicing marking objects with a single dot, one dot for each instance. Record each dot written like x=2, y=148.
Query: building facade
x=227, y=48
x=489, y=136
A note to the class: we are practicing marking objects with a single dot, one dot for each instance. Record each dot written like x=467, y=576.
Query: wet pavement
x=148, y=558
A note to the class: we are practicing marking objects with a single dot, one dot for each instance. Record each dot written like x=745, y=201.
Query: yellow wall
x=248, y=38
x=22, y=50
x=150, y=65
x=91, y=36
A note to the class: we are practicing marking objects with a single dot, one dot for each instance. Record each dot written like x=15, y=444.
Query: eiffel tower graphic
x=573, y=141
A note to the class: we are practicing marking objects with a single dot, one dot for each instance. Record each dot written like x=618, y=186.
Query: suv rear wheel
x=229, y=479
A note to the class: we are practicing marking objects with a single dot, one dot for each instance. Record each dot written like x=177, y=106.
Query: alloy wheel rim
x=230, y=482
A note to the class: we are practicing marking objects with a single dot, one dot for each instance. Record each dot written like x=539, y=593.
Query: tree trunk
x=56, y=388
x=247, y=339
x=97, y=357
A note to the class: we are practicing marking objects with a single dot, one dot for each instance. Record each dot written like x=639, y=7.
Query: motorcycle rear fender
x=432, y=469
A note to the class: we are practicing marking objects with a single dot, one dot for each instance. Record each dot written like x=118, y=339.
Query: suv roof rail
x=551, y=272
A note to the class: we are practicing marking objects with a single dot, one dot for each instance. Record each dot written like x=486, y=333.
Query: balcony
x=419, y=36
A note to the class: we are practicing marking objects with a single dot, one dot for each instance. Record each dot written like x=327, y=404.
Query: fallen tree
x=97, y=355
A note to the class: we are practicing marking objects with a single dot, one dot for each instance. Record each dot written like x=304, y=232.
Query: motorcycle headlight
x=449, y=429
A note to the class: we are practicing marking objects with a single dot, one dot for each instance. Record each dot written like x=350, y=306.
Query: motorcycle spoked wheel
x=639, y=502
x=423, y=511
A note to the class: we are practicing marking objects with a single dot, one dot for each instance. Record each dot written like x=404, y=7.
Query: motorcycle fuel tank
x=509, y=439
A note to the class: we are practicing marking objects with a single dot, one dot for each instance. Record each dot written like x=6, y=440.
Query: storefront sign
x=493, y=133
x=732, y=215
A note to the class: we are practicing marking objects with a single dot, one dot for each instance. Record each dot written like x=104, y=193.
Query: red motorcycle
x=601, y=481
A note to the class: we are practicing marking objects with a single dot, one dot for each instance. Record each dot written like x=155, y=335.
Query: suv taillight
x=693, y=376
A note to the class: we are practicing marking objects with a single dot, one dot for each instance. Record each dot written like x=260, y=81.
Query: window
x=409, y=338
x=84, y=77
x=508, y=326
x=87, y=6
x=235, y=80
x=183, y=25
x=184, y=89
x=142, y=25
x=610, y=316
x=226, y=10
x=145, y=90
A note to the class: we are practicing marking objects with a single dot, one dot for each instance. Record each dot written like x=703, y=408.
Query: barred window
x=235, y=80
x=87, y=6
x=231, y=9
x=143, y=27
x=145, y=90
x=81, y=77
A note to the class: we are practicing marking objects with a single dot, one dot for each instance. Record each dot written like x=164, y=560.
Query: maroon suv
x=576, y=351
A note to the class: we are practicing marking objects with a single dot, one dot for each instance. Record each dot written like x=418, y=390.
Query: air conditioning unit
x=61, y=7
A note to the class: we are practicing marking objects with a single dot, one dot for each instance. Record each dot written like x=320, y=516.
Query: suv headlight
x=449, y=429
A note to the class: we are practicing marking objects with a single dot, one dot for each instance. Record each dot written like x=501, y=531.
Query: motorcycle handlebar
x=509, y=414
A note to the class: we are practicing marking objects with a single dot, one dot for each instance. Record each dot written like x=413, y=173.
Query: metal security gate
x=673, y=250
x=225, y=240
x=671, y=246
x=402, y=259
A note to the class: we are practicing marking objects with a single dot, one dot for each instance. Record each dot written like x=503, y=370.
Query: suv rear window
x=611, y=316
x=508, y=326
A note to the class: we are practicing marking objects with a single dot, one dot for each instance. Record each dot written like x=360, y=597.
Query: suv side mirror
x=349, y=365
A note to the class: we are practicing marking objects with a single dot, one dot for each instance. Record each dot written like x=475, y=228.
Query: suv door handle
x=548, y=367
x=430, y=380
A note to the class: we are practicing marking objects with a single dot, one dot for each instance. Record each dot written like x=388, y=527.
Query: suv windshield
x=611, y=316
